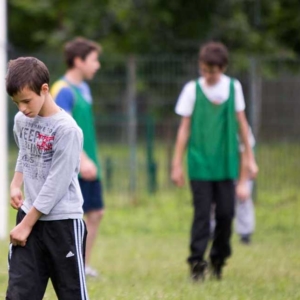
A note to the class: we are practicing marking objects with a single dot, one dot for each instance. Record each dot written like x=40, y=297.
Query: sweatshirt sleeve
x=19, y=165
x=65, y=165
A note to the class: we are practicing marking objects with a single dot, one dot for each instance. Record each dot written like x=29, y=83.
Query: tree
x=156, y=26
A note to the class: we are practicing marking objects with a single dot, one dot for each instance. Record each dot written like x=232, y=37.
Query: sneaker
x=245, y=239
x=90, y=272
x=216, y=269
x=198, y=269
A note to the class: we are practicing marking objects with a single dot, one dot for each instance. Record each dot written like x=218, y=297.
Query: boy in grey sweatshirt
x=49, y=238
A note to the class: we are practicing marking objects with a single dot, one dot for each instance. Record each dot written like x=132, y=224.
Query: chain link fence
x=134, y=99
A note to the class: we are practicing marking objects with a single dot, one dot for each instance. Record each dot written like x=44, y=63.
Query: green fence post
x=132, y=124
x=108, y=173
x=151, y=164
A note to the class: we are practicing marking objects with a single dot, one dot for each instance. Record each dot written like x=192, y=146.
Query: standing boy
x=50, y=143
x=73, y=94
x=245, y=216
x=244, y=207
x=212, y=111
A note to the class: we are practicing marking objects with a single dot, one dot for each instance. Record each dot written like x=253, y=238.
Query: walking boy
x=50, y=143
x=73, y=94
x=212, y=111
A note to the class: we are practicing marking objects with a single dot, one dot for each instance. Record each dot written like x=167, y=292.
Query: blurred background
x=150, y=50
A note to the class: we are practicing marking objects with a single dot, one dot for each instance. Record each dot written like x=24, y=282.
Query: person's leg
x=66, y=262
x=28, y=272
x=92, y=219
x=200, y=231
x=93, y=208
x=224, y=197
x=245, y=217
x=212, y=221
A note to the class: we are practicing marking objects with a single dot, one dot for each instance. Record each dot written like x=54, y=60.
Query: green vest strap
x=83, y=115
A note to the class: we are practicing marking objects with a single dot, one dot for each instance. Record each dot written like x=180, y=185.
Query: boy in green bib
x=212, y=110
x=73, y=94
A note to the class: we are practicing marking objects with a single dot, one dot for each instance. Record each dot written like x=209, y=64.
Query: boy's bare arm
x=242, y=188
x=19, y=235
x=16, y=196
x=177, y=174
x=244, y=135
x=244, y=172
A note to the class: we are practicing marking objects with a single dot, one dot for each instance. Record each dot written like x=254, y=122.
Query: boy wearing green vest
x=212, y=110
x=73, y=94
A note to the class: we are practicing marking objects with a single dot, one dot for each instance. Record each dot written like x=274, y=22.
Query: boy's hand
x=19, y=235
x=16, y=197
x=177, y=175
x=88, y=169
x=242, y=191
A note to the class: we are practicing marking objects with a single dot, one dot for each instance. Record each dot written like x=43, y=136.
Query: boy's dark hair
x=79, y=47
x=214, y=54
x=26, y=72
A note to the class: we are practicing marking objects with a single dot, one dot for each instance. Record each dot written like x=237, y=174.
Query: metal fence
x=134, y=99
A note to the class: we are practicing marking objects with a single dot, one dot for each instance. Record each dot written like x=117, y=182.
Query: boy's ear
x=77, y=61
x=45, y=88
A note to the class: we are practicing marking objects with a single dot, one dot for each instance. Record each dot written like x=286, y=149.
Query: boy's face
x=30, y=103
x=211, y=74
x=89, y=66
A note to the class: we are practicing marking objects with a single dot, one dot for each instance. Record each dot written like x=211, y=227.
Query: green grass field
x=141, y=249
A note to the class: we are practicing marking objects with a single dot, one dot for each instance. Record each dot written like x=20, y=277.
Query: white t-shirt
x=217, y=94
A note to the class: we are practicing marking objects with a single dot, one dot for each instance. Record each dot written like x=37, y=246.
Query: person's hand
x=88, y=170
x=16, y=197
x=177, y=175
x=19, y=235
x=242, y=191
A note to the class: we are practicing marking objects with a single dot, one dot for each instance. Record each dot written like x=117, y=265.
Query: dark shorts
x=92, y=195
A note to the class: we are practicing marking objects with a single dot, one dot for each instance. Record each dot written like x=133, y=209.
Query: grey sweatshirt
x=49, y=158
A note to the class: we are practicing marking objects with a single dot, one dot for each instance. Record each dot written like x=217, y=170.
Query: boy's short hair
x=79, y=47
x=26, y=72
x=214, y=54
